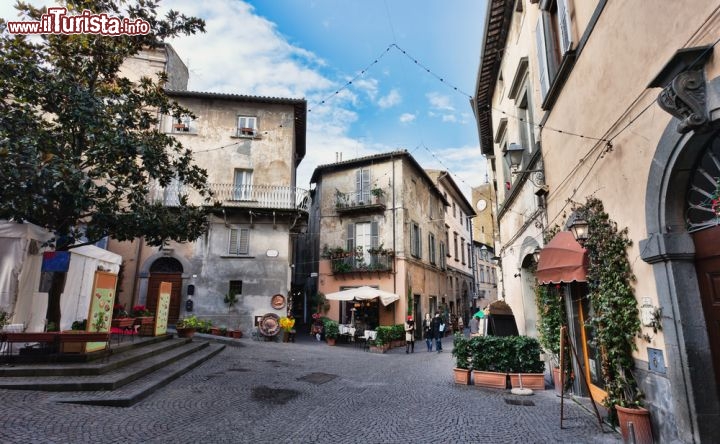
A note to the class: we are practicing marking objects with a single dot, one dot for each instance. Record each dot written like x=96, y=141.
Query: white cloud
x=407, y=117
x=449, y=118
x=439, y=101
x=393, y=98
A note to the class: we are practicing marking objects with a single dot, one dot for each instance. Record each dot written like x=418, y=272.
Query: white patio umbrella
x=363, y=293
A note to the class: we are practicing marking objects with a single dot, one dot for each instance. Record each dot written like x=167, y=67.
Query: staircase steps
x=121, y=356
x=132, y=369
x=130, y=394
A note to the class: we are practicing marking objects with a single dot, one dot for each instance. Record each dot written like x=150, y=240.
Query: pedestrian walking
x=461, y=325
x=427, y=331
x=438, y=330
x=475, y=325
x=410, y=335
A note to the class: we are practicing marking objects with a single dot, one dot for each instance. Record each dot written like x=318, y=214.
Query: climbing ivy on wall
x=615, y=316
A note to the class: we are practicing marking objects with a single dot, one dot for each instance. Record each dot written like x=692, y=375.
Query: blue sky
x=312, y=48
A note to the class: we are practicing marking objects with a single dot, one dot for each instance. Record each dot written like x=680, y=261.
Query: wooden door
x=707, y=266
x=175, y=295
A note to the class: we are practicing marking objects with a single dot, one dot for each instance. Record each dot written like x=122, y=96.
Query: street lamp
x=514, y=154
x=579, y=227
x=536, y=254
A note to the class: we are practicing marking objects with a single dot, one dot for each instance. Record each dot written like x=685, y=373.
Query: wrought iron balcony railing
x=365, y=200
x=229, y=195
x=352, y=264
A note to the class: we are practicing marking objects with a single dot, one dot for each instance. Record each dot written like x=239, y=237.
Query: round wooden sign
x=269, y=324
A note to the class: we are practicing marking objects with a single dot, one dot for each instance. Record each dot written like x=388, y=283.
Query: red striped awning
x=563, y=260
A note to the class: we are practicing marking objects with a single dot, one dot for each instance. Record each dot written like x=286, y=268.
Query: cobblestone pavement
x=307, y=392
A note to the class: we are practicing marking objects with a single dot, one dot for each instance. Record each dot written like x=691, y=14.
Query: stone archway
x=686, y=393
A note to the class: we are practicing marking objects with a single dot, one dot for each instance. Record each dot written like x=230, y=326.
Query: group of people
x=434, y=330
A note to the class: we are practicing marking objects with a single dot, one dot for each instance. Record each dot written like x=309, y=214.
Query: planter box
x=535, y=381
x=185, y=332
x=236, y=334
x=489, y=379
x=123, y=322
x=72, y=347
x=377, y=349
x=461, y=375
x=640, y=418
x=330, y=341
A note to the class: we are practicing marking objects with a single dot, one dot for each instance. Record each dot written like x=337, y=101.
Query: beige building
x=380, y=221
x=458, y=217
x=619, y=101
x=250, y=147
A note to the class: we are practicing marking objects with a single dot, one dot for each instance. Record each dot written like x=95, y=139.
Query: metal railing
x=359, y=198
x=230, y=195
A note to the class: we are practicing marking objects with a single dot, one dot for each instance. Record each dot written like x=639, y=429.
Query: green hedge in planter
x=505, y=354
x=526, y=355
x=461, y=351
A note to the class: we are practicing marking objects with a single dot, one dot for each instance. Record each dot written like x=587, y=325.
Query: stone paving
x=307, y=392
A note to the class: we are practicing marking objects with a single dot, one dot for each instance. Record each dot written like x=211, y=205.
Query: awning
x=363, y=293
x=562, y=260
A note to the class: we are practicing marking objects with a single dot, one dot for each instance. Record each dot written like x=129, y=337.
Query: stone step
x=132, y=393
x=121, y=356
x=111, y=380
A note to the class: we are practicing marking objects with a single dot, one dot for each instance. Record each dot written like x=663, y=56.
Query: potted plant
x=332, y=331
x=461, y=352
x=236, y=334
x=230, y=299
x=490, y=358
x=526, y=368
x=287, y=323
x=615, y=317
x=187, y=327
x=378, y=194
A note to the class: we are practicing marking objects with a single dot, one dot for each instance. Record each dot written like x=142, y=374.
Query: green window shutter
x=244, y=241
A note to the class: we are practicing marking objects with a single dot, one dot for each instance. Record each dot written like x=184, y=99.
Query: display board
x=101, y=307
x=163, y=308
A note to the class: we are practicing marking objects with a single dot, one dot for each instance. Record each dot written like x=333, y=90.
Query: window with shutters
x=362, y=185
x=239, y=244
x=462, y=250
x=360, y=238
x=554, y=37
x=431, y=248
x=415, y=240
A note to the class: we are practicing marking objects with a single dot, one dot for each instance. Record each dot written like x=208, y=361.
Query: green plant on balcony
x=342, y=267
x=341, y=199
x=377, y=192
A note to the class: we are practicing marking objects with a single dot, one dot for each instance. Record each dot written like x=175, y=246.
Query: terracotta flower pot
x=185, y=332
x=535, y=381
x=489, y=379
x=330, y=341
x=640, y=419
x=461, y=375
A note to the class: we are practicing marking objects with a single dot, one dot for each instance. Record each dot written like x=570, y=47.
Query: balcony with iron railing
x=360, y=201
x=230, y=195
x=376, y=260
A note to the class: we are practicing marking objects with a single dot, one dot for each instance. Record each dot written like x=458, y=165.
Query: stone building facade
x=619, y=101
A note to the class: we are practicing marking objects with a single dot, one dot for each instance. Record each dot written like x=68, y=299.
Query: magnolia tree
x=80, y=145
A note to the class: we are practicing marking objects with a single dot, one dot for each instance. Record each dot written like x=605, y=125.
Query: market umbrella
x=362, y=294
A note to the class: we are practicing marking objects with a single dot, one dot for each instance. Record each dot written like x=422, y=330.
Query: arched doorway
x=687, y=390
x=703, y=221
x=165, y=269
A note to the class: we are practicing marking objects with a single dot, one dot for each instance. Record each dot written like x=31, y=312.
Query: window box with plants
x=461, y=352
x=378, y=195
